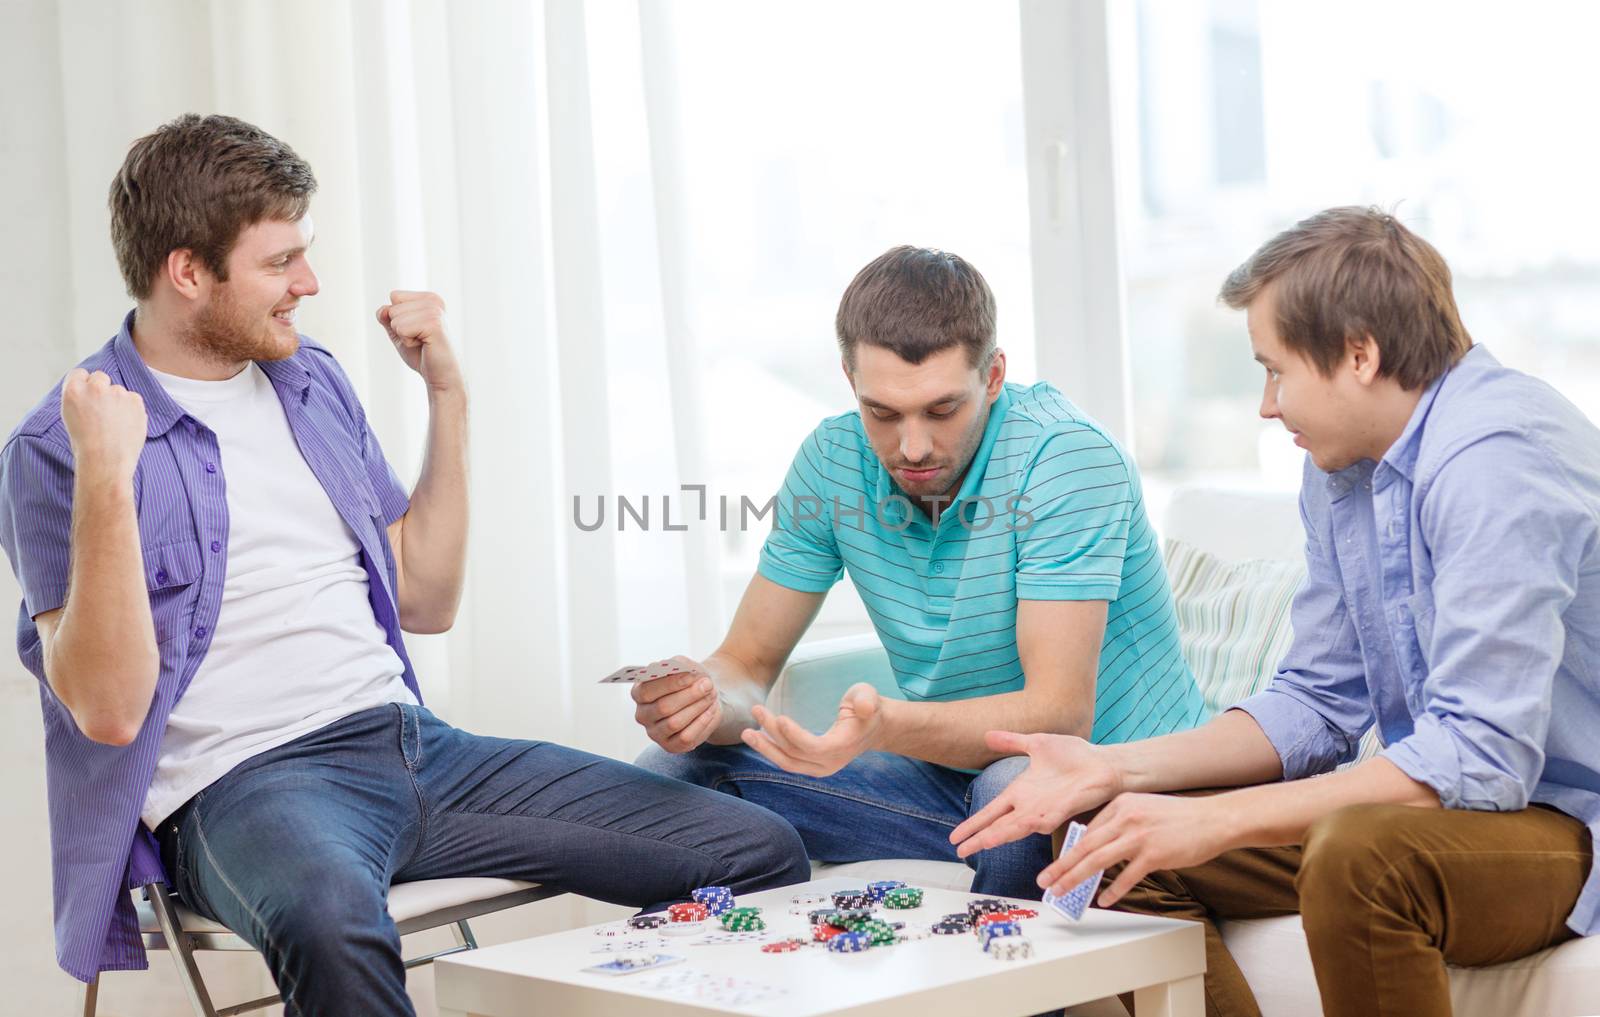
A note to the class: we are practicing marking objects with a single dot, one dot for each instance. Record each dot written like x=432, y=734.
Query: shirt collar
x=1402, y=455
x=160, y=409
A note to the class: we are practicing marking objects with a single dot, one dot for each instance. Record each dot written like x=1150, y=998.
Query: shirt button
x=216, y=545
x=200, y=633
x=211, y=467
x=938, y=566
x=161, y=576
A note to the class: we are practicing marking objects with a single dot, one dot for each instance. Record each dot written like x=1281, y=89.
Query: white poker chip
x=634, y=960
x=810, y=900
x=620, y=929
x=1010, y=948
x=907, y=935
x=687, y=928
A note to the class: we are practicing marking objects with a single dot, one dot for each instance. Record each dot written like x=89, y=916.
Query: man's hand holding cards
x=676, y=701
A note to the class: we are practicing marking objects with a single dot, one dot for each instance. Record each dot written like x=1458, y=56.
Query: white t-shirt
x=296, y=646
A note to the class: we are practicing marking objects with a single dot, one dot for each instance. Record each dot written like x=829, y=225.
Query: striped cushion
x=1233, y=622
x=1233, y=619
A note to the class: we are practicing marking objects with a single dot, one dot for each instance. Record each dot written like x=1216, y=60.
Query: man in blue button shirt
x=1452, y=599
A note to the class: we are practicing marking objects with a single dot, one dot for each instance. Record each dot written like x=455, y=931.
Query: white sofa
x=1235, y=526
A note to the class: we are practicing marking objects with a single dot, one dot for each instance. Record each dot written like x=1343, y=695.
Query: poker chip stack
x=647, y=921
x=849, y=942
x=877, y=890
x=822, y=932
x=986, y=906
x=991, y=919
x=847, y=900
x=743, y=920
x=903, y=897
x=878, y=933
x=987, y=934
x=717, y=899
x=844, y=916
x=688, y=912
x=1009, y=948
x=953, y=924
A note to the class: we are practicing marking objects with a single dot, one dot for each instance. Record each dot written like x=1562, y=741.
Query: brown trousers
x=1388, y=895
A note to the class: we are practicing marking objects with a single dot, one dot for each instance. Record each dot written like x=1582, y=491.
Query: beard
x=225, y=332
x=945, y=486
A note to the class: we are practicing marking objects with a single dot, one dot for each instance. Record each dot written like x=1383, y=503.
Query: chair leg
x=464, y=935
x=182, y=954
x=91, y=995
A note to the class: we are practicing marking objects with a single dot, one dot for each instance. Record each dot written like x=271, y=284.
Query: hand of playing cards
x=650, y=672
x=677, y=701
x=1075, y=901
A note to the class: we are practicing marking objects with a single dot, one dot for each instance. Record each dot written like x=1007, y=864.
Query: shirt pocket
x=171, y=572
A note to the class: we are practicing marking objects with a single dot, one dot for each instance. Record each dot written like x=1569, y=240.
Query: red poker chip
x=783, y=946
x=688, y=912
x=822, y=931
x=982, y=920
x=1023, y=913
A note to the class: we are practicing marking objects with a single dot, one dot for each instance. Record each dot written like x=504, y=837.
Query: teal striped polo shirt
x=1050, y=509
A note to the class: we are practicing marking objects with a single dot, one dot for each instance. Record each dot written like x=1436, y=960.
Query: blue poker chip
x=716, y=899
x=883, y=886
x=849, y=942
x=997, y=930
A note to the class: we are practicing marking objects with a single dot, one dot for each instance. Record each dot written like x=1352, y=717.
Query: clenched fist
x=415, y=323
x=106, y=423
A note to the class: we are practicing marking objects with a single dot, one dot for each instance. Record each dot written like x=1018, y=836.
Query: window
x=1237, y=118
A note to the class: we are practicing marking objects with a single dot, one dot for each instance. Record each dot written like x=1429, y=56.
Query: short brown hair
x=196, y=183
x=1349, y=272
x=916, y=302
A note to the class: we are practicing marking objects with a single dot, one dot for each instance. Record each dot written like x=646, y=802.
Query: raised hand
x=105, y=422
x=678, y=711
x=787, y=744
x=415, y=323
x=1066, y=776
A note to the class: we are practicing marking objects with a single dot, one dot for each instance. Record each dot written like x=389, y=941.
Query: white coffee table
x=1160, y=960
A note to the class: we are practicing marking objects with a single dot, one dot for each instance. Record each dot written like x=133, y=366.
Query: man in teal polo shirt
x=998, y=538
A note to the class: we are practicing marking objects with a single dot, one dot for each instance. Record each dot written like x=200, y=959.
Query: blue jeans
x=294, y=849
x=880, y=806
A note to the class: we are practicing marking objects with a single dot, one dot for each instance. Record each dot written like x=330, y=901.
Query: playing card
x=650, y=672
x=1075, y=901
x=633, y=963
x=628, y=945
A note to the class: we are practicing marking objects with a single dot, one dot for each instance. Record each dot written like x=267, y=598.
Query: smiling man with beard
x=217, y=563
x=998, y=538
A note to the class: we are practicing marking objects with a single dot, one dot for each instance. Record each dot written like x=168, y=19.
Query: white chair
x=415, y=907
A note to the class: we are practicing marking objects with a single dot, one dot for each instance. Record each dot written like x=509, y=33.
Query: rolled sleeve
x=1074, y=512
x=1297, y=730
x=36, y=480
x=1506, y=558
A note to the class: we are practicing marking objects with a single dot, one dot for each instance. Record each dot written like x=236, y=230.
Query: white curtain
x=457, y=150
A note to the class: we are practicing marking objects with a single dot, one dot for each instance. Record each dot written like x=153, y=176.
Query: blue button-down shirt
x=1453, y=598
x=99, y=848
